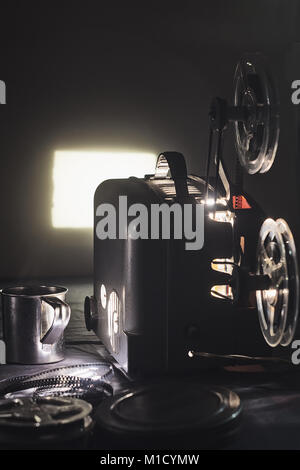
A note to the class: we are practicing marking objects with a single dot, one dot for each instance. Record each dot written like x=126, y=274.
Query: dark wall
x=120, y=76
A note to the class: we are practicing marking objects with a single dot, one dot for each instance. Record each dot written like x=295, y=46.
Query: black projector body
x=163, y=306
x=156, y=306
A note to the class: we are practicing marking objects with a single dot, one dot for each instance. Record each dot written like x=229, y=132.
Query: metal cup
x=34, y=320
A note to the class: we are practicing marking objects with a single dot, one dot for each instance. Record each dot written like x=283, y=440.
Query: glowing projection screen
x=76, y=175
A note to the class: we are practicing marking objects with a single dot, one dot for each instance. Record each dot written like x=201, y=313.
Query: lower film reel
x=278, y=306
x=257, y=134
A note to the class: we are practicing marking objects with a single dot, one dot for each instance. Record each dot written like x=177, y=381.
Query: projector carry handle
x=174, y=163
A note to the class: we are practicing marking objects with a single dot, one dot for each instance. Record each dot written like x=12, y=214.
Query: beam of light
x=76, y=175
x=2, y=92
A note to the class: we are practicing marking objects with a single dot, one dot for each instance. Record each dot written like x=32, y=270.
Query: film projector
x=162, y=309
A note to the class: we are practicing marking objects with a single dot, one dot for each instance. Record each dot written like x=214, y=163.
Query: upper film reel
x=277, y=306
x=257, y=133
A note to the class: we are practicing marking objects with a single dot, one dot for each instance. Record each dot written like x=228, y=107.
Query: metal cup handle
x=62, y=313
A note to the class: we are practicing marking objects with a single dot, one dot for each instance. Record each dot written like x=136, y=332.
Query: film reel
x=293, y=276
x=47, y=422
x=278, y=305
x=257, y=128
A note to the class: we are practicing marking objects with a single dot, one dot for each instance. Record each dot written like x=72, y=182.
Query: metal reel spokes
x=257, y=133
x=293, y=278
x=278, y=305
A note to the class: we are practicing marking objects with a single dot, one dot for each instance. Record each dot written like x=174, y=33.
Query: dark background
x=138, y=75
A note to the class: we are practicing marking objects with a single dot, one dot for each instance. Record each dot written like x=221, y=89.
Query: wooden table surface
x=271, y=400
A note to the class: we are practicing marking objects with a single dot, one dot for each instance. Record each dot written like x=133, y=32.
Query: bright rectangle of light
x=76, y=175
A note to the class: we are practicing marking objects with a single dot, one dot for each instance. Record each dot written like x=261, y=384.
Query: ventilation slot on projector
x=167, y=186
x=114, y=320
